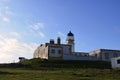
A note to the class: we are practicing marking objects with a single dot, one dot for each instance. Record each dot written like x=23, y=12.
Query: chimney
x=51, y=41
x=58, y=41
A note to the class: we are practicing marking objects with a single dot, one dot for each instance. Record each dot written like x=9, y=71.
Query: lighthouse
x=70, y=40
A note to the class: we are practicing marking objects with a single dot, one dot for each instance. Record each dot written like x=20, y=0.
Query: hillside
x=37, y=69
x=41, y=63
x=38, y=63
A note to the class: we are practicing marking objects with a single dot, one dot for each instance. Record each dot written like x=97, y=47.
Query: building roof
x=70, y=34
x=109, y=50
x=105, y=50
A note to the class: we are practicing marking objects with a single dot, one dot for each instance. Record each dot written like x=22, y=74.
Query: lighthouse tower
x=70, y=40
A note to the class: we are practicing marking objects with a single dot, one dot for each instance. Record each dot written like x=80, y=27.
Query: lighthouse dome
x=70, y=34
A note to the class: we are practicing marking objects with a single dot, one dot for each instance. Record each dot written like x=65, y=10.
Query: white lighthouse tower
x=70, y=40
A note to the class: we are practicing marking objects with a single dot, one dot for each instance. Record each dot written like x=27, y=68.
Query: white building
x=105, y=54
x=60, y=51
x=115, y=62
x=66, y=51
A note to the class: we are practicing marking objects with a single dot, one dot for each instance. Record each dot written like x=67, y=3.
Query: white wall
x=114, y=62
x=41, y=52
x=75, y=57
x=102, y=53
x=56, y=54
x=66, y=49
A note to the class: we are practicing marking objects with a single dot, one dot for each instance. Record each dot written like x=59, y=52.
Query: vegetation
x=38, y=63
x=37, y=69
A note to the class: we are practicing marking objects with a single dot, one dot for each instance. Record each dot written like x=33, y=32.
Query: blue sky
x=25, y=24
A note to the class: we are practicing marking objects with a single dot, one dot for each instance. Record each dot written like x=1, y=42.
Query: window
x=59, y=51
x=85, y=55
x=70, y=49
x=106, y=55
x=118, y=61
x=115, y=55
x=52, y=51
x=95, y=55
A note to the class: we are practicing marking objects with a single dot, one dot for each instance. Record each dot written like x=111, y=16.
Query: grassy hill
x=38, y=63
x=41, y=63
x=37, y=69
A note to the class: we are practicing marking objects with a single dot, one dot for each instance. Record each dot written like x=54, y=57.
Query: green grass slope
x=37, y=69
x=38, y=63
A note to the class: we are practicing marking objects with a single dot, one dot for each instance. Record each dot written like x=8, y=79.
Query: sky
x=25, y=24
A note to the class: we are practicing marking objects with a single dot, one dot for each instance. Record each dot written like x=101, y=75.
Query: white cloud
x=5, y=12
x=15, y=34
x=42, y=35
x=11, y=49
x=37, y=26
x=5, y=19
x=8, y=11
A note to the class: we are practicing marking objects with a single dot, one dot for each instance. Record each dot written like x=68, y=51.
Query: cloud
x=11, y=49
x=15, y=34
x=5, y=12
x=5, y=19
x=37, y=26
x=42, y=35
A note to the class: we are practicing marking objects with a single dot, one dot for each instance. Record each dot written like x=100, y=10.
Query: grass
x=59, y=74
x=37, y=69
x=38, y=63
